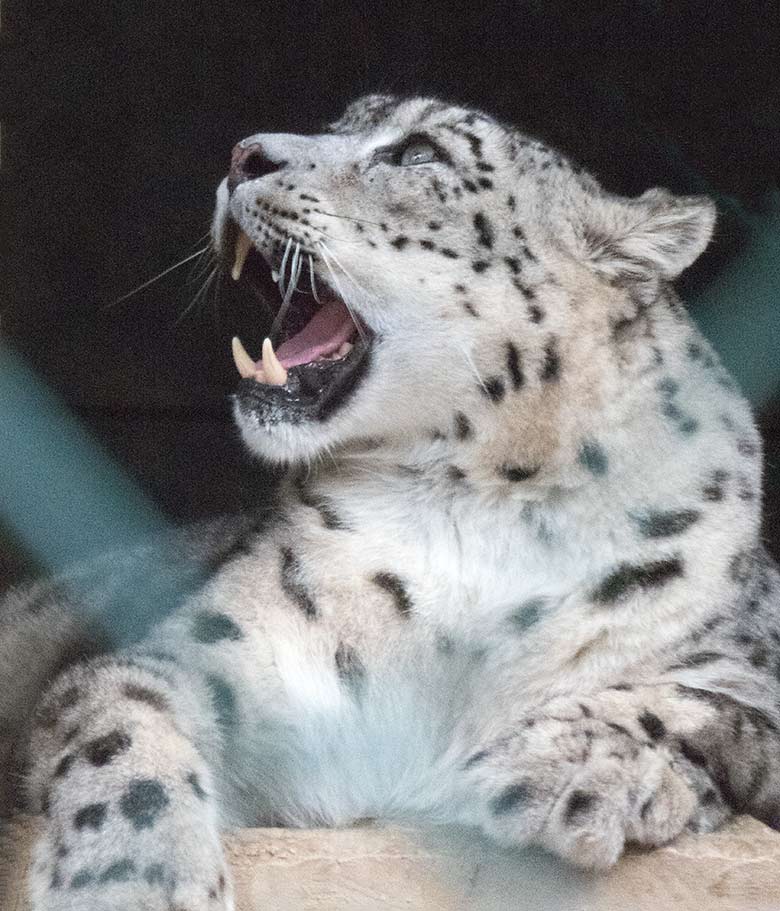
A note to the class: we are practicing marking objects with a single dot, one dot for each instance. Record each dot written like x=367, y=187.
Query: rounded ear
x=653, y=233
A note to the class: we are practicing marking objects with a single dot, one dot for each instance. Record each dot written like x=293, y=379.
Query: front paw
x=138, y=880
x=581, y=788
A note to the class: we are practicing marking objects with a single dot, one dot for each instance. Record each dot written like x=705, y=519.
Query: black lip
x=313, y=392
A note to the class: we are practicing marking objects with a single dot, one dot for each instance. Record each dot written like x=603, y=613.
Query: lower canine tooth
x=243, y=246
x=244, y=363
x=275, y=374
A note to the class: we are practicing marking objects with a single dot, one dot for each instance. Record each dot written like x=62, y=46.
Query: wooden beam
x=390, y=869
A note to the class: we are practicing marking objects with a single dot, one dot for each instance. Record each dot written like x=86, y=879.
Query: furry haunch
x=513, y=578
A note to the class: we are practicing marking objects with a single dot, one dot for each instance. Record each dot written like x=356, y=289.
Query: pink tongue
x=325, y=333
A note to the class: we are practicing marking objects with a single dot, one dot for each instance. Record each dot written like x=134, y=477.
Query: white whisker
x=313, y=282
x=292, y=285
x=162, y=274
x=201, y=266
x=325, y=253
x=298, y=271
x=473, y=367
x=295, y=268
x=354, y=281
x=201, y=294
x=283, y=268
x=362, y=221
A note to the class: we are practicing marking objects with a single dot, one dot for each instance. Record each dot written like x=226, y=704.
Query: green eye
x=419, y=153
x=413, y=150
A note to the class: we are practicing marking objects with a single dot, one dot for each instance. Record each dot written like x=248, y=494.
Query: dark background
x=118, y=120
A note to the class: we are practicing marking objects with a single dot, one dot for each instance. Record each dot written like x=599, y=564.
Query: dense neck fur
x=630, y=437
x=631, y=417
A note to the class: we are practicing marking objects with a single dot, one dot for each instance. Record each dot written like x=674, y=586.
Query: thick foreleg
x=130, y=815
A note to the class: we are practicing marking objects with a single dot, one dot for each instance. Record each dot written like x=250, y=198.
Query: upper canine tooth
x=243, y=246
x=244, y=363
x=275, y=374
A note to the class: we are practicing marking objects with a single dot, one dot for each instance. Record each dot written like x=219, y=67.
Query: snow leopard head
x=426, y=263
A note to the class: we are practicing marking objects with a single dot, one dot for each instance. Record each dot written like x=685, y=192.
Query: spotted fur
x=518, y=585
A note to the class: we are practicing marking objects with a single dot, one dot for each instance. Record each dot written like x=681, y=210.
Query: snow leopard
x=512, y=577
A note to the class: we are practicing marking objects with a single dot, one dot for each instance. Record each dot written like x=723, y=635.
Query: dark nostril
x=256, y=164
x=250, y=163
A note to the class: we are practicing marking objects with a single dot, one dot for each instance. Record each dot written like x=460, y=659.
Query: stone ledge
x=391, y=869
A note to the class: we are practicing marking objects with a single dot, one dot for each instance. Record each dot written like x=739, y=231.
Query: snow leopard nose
x=250, y=161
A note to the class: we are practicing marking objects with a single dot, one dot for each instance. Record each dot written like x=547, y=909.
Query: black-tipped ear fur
x=654, y=233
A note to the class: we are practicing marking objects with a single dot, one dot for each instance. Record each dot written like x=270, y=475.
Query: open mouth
x=323, y=351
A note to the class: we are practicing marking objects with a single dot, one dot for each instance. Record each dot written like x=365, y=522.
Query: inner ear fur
x=655, y=233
